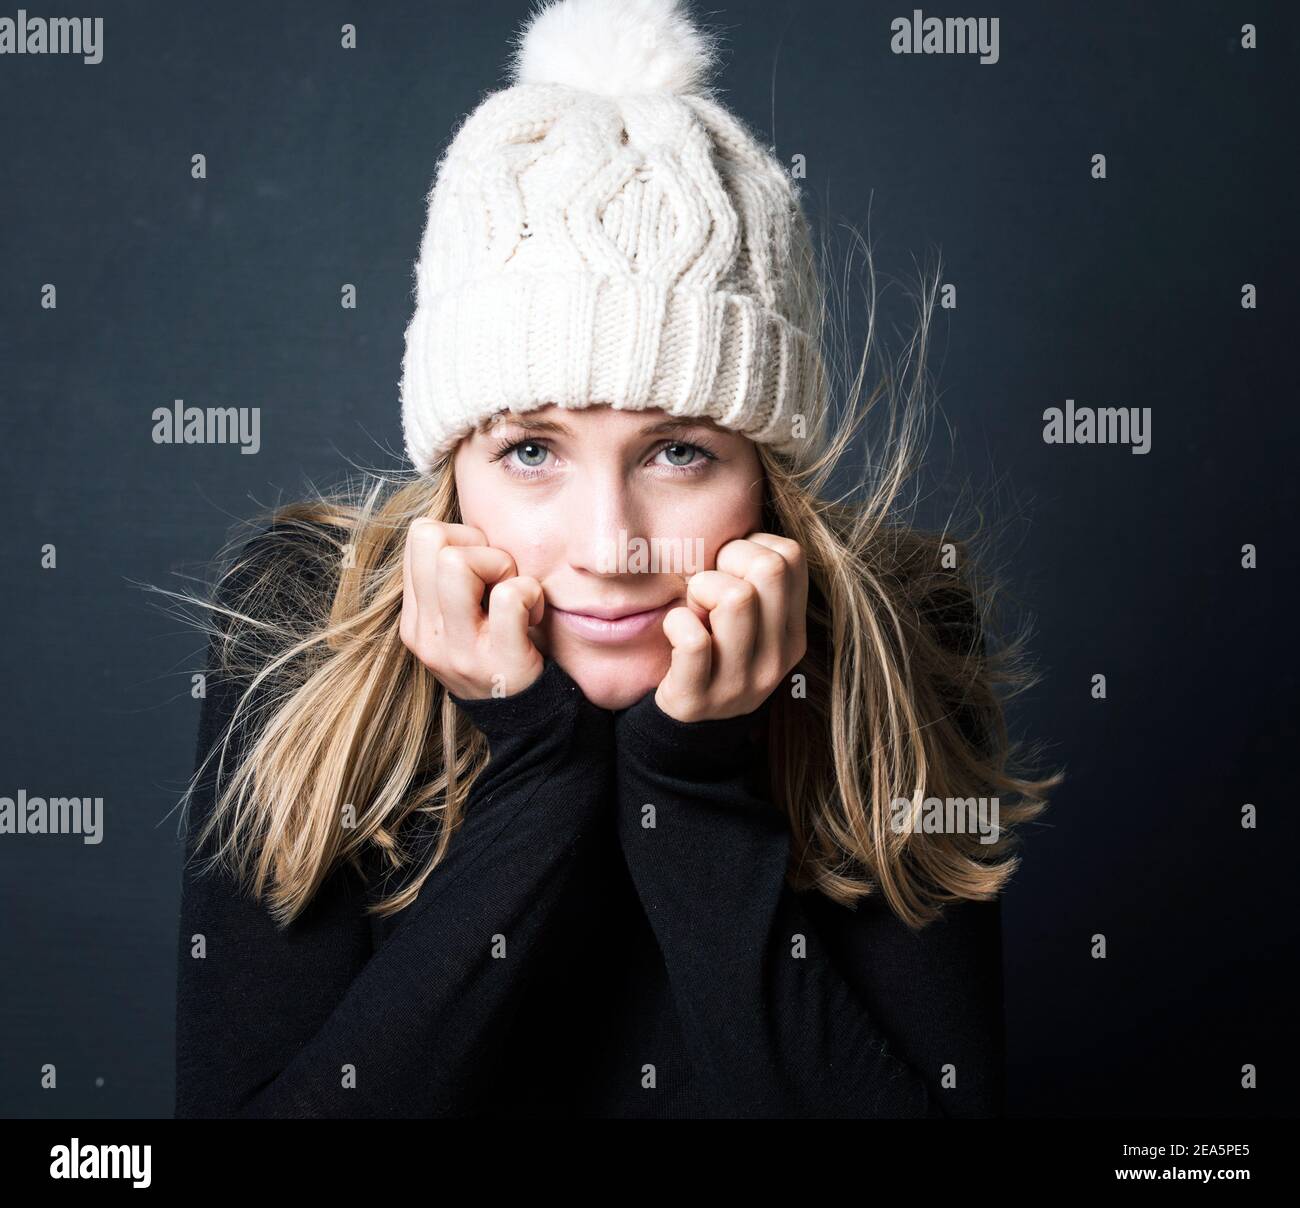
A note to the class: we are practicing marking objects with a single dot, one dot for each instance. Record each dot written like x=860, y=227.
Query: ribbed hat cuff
x=523, y=341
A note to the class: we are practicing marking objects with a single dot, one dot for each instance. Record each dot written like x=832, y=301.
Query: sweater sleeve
x=311, y=1021
x=771, y=1024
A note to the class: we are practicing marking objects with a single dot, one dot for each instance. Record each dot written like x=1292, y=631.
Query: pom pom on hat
x=615, y=47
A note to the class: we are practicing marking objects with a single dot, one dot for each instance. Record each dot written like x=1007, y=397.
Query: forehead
x=554, y=420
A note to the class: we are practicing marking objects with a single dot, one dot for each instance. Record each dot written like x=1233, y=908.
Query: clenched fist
x=446, y=570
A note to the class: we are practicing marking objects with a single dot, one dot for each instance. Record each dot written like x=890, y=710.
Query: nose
x=606, y=515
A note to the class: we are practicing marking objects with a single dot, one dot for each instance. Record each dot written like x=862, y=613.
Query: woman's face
x=611, y=512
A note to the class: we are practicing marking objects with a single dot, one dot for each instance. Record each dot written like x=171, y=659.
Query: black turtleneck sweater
x=610, y=934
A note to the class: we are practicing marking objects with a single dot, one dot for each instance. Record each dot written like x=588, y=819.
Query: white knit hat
x=604, y=231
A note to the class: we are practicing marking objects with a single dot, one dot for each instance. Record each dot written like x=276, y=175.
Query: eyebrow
x=531, y=424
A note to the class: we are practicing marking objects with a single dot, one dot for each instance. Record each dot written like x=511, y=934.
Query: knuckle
x=789, y=549
x=769, y=566
x=469, y=531
x=739, y=595
x=450, y=557
x=425, y=534
x=505, y=594
x=695, y=642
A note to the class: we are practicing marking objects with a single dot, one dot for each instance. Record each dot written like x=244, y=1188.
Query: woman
x=586, y=773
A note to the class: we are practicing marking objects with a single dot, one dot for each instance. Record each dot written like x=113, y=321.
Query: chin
x=614, y=680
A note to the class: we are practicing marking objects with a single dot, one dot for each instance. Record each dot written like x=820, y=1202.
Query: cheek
x=713, y=519
x=528, y=534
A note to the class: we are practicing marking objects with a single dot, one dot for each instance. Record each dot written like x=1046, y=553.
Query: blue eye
x=527, y=449
x=687, y=456
x=684, y=451
x=527, y=458
x=531, y=456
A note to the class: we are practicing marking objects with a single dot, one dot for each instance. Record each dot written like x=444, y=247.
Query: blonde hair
x=901, y=698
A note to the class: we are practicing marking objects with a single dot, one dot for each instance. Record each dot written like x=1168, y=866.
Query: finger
x=792, y=552
x=770, y=575
x=513, y=605
x=692, y=658
x=424, y=539
x=464, y=574
x=733, y=619
x=698, y=609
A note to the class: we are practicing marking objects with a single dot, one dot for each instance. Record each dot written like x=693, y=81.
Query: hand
x=756, y=604
x=446, y=569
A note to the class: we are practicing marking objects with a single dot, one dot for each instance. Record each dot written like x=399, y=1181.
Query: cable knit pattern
x=637, y=248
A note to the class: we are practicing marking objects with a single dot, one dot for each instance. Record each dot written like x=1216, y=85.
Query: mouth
x=620, y=627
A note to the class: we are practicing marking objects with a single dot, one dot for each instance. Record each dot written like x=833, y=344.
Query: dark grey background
x=1117, y=293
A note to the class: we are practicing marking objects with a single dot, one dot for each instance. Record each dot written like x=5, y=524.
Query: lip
x=616, y=627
